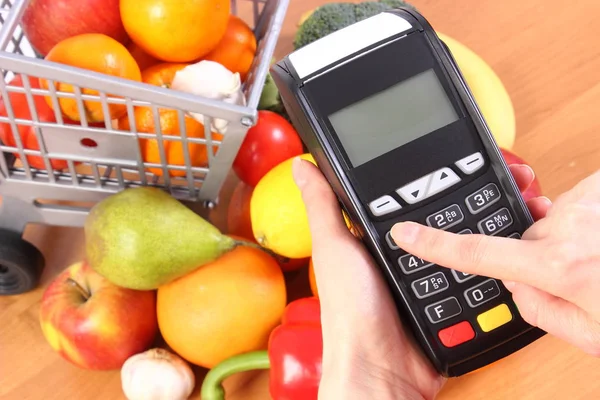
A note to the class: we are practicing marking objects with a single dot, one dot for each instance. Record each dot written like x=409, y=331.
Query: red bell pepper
x=293, y=357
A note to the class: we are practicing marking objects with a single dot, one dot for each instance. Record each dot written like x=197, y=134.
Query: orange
x=162, y=75
x=143, y=59
x=349, y=224
x=95, y=52
x=175, y=31
x=224, y=308
x=237, y=48
x=311, y=279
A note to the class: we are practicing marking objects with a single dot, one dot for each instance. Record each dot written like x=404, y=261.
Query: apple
x=93, y=323
x=535, y=189
x=47, y=22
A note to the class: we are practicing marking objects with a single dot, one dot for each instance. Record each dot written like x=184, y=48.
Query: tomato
x=271, y=141
x=238, y=212
x=20, y=109
x=292, y=264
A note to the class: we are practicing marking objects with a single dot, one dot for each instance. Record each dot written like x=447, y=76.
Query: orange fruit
x=95, y=52
x=162, y=75
x=349, y=224
x=224, y=308
x=237, y=48
x=311, y=279
x=175, y=31
x=143, y=59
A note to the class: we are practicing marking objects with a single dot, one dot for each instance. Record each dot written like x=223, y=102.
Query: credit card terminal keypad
x=456, y=305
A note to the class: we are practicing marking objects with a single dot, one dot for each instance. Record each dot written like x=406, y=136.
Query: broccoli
x=331, y=17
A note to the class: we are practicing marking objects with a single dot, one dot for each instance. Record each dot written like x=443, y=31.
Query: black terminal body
x=384, y=110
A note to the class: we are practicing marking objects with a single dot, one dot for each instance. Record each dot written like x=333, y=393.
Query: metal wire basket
x=63, y=163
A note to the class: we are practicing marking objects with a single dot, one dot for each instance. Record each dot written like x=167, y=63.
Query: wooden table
x=547, y=55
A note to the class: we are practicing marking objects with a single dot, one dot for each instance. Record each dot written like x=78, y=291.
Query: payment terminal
x=391, y=123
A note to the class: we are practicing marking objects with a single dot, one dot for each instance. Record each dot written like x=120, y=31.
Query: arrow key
x=441, y=180
x=415, y=191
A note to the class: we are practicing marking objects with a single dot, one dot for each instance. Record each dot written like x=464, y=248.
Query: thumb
x=322, y=207
x=330, y=236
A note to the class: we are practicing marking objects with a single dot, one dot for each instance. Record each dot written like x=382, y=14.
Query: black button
x=443, y=310
x=482, y=293
x=496, y=223
x=483, y=198
x=430, y=285
x=446, y=218
x=390, y=241
x=410, y=263
x=465, y=232
x=514, y=235
x=461, y=276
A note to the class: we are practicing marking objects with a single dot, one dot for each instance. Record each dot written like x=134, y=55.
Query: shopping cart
x=79, y=164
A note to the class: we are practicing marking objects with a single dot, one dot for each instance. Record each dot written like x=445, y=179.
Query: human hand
x=366, y=352
x=553, y=272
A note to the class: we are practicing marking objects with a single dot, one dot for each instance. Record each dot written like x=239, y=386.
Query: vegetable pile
x=331, y=17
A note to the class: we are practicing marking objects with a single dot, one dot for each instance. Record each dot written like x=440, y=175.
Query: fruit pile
x=192, y=46
x=155, y=270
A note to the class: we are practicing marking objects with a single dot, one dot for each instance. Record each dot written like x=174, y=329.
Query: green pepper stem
x=212, y=387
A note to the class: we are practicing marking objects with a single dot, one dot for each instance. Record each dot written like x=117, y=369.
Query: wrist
x=363, y=375
x=367, y=387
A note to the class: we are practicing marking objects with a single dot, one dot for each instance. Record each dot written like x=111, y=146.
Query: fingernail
x=405, y=232
x=529, y=168
x=297, y=173
x=509, y=284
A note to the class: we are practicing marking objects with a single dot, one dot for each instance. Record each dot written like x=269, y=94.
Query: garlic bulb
x=157, y=374
x=212, y=80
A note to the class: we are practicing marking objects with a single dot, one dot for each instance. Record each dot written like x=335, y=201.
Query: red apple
x=47, y=22
x=93, y=323
x=535, y=189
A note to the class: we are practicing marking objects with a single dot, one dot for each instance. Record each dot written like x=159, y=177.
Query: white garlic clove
x=157, y=374
x=211, y=80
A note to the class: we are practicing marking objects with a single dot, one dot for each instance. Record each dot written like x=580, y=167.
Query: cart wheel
x=21, y=264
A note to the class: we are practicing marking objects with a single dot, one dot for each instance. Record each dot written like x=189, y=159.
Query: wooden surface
x=547, y=55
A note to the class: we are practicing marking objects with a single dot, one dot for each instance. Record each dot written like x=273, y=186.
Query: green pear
x=142, y=238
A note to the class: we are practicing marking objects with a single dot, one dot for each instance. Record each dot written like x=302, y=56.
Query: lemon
x=277, y=213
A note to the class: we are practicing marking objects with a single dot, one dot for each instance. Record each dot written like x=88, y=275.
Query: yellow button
x=492, y=319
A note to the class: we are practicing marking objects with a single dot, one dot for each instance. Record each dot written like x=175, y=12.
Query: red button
x=456, y=334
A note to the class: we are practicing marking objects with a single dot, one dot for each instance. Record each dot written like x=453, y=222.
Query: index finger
x=477, y=254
